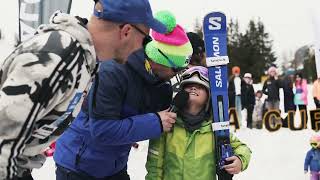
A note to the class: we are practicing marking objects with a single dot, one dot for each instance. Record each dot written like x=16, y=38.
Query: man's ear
x=98, y=6
x=125, y=30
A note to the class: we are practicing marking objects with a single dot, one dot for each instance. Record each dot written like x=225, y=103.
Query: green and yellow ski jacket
x=181, y=155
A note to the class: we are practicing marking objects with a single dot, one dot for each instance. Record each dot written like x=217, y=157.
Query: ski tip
x=214, y=22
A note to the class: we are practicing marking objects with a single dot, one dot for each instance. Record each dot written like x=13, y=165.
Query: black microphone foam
x=179, y=101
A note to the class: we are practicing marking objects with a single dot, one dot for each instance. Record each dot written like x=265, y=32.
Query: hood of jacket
x=76, y=27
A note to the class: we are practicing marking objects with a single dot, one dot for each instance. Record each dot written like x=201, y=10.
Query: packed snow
x=275, y=156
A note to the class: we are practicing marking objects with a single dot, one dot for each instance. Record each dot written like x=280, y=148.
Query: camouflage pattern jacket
x=37, y=83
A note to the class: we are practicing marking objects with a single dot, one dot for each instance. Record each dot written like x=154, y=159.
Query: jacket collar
x=138, y=62
x=76, y=27
x=205, y=125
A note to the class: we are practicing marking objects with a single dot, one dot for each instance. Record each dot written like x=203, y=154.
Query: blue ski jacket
x=119, y=110
x=312, y=160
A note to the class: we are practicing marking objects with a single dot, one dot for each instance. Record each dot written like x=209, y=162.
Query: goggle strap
x=168, y=59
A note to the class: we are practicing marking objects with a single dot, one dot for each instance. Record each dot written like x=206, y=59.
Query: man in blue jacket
x=121, y=109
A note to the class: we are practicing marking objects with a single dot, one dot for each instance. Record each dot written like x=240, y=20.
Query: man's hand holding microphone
x=168, y=117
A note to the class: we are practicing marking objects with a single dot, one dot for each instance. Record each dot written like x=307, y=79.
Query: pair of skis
x=215, y=37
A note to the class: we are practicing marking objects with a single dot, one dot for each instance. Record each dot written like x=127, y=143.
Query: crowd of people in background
x=252, y=103
x=295, y=95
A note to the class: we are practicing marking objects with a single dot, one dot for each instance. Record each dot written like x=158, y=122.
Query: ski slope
x=275, y=156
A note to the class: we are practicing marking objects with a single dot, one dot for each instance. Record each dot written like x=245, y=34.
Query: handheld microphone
x=179, y=101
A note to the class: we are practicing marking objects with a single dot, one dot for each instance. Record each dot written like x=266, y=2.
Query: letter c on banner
x=267, y=120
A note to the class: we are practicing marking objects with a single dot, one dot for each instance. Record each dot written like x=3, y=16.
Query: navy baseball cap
x=129, y=11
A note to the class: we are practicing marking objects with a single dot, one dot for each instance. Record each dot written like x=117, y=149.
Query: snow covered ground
x=275, y=156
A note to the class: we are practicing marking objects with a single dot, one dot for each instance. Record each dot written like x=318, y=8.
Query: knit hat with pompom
x=171, y=49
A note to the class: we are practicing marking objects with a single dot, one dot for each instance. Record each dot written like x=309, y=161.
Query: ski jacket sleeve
x=125, y=131
x=155, y=158
x=279, y=83
x=307, y=160
x=252, y=96
x=305, y=91
x=265, y=88
x=106, y=101
x=241, y=150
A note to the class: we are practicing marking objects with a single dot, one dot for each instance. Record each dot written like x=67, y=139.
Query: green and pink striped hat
x=171, y=49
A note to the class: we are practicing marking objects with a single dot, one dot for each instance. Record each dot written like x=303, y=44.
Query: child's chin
x=194, y=100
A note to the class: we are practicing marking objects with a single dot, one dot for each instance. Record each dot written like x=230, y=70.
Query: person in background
x=301, y=94
x=234, y=91
x=271, y=88
x=316, y=92
x=312, y=160
x=187, y=152
x=248, y=97
x=126, y=104
x=196, y=59
x=257, y=111
x=288, y=95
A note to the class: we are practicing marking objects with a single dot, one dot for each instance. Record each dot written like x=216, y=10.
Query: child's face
x=197, y=94
x=259, y=95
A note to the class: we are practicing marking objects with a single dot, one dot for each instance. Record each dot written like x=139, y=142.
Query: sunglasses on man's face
x=147, y=38
x=174, y=68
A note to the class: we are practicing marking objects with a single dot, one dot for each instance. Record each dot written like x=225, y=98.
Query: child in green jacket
x=187, y=153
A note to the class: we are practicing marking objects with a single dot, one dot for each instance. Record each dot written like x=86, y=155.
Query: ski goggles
x=173, y=67
x=200, y=71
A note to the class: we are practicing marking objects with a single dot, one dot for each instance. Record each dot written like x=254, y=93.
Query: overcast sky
x=288, y=21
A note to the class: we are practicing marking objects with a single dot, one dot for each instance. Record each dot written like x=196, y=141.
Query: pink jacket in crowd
x=301, y=94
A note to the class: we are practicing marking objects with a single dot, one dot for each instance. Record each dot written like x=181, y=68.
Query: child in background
x=312, y=159
x=188, y=153
x=301, y=94
x=257, y=111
